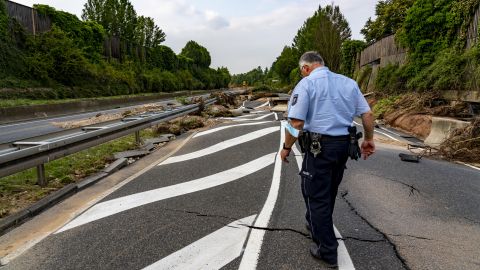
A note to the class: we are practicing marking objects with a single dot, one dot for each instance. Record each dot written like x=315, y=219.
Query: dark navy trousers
x=321, y=176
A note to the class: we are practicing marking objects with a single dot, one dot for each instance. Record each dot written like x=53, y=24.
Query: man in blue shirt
x=322, y=106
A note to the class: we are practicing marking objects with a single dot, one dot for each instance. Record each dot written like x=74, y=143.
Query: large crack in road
x=387, y=239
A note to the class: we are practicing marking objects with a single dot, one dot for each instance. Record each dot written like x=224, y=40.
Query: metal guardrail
x=26, y=155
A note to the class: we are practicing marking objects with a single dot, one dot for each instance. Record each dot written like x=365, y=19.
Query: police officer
x=322, y=106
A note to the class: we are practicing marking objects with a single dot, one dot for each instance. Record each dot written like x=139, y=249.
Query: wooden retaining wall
x=28, y=17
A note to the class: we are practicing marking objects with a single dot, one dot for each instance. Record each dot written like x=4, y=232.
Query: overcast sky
x=241, y=34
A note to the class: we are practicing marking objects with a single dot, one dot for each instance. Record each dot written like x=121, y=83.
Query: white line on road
x=468, y=165
x=213, y=130
x=221, y=146
x=264, y=104
x=212, y=251
x=383, y=133
x=254, y=244
x=121, y=204
x=254, y=119
x=344, y=260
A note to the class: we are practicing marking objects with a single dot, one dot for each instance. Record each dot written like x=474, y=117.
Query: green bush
x=67, y=62
x=55, y=57
x=445, y=73
x=262, y=88
x=384, y=105
x=390, y=79
x=364, y=77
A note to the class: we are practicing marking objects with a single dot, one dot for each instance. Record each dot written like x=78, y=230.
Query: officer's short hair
x=311, y=57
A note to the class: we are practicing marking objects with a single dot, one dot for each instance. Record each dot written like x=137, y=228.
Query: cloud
x=249, y=41
x=215, y=21
x=178, y=16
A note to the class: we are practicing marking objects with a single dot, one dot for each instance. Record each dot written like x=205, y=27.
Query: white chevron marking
x=221, y=146
x=118, y=205
x=212, y=251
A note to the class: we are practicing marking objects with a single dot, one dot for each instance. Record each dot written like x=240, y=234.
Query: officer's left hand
x=284, y=154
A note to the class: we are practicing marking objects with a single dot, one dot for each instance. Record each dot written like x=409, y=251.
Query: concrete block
x=157, y=140
x=117, y=165
x=52, y=199
x=12, y=220
x=441, y=128
x=147, y=146
x=237, y=112
x=169, y=136
x=91, y=180
x=132, y=153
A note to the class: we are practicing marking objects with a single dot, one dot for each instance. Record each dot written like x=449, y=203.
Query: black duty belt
x=312, y=142
x=329, y=138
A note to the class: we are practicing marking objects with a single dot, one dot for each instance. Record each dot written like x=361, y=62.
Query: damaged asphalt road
x=204, y=210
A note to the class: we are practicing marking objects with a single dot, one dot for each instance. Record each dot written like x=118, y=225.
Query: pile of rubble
x=463, y=144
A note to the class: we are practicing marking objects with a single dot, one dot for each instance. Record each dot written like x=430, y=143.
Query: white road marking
x=221, y=146
x=383, y=133
x=468, y=165
x=276, y=117
x=254, y=244
x=254, y=119
x=264, y=104
x=213, y=130
x=212, y=251
x=344, y=260
x=77, y=212
x=121, y=204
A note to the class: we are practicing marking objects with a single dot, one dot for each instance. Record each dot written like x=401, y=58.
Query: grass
x=20, y=190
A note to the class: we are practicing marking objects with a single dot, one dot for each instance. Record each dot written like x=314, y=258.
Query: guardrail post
x=138, y=139
x=41, y=179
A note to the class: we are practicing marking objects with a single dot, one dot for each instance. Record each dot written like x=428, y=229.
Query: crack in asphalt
x=412, y=236
x=306, y=235
x=387, y=240
x=199, y=214
x=412, y=188
x=361, y=239
x=471, y=220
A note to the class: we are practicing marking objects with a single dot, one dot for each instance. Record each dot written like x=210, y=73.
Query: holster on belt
x=353, y=148
x=310, y=142
x=303, y=140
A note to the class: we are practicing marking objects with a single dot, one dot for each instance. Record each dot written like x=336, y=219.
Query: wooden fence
x=382, y=53
x=472, y=34
x=114, y=47
x=35, y=23
x=28, y=17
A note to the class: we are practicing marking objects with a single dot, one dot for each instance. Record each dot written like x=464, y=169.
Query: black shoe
x=314, y=250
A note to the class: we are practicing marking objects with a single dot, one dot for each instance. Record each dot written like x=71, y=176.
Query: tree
x=350, y=50
x=427, y=29
x=94, y=11
x=390, y=17
x=320, y=34
x=162, y=57
x=285, y=63
x=199, y=54
x=118, y=17
x=338, y=20
x=148, y=34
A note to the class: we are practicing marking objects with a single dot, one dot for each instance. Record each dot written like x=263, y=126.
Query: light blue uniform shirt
x=327, y=102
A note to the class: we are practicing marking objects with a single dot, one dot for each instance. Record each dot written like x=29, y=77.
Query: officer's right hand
x=284, y=154
x=368, y=148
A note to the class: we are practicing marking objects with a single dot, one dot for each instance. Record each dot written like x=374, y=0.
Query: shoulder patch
x=294, y=100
